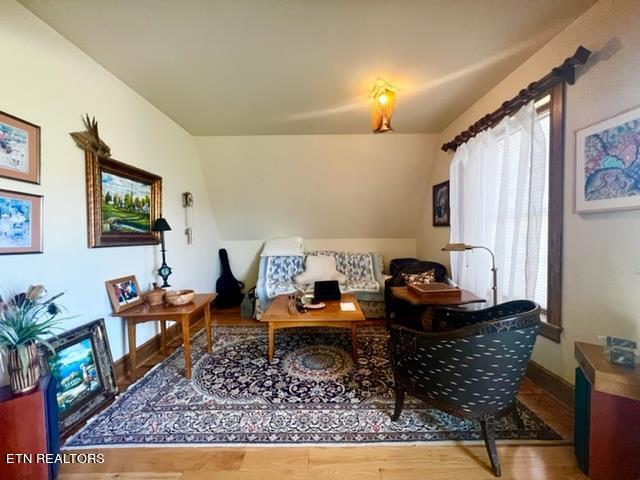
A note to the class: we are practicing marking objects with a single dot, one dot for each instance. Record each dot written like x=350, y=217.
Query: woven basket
x=155, y=296
x=179, y=297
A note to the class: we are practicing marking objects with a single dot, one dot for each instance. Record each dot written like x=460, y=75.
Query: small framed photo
x=441, y=210
x=124, y=293
x=20, y=223
x=607, y=164
x=82, y=368
x=19, y=149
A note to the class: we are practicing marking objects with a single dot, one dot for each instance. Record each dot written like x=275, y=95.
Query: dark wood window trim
x=552, y=327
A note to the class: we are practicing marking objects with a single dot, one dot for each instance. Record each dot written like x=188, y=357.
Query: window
x=549, y=277
x=507, y=195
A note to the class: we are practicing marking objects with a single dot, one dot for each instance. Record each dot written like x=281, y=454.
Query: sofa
x=363, y=273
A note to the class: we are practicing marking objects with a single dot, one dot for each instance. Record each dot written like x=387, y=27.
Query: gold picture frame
x=123, y=203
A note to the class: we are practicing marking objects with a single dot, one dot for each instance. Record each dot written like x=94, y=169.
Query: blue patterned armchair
x=474, y=370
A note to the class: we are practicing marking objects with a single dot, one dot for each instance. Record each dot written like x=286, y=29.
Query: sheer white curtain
x=498, y=195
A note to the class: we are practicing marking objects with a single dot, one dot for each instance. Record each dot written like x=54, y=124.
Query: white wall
x=48, y=81
x=317, y=186
x=343, y=192
x=600, y=289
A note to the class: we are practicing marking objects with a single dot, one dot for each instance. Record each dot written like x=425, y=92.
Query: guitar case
x=228, y=288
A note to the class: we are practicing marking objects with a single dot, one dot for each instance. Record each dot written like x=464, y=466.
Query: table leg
x=207, y=326
x=271, y=341
x=163, y=337
x=186, y=340
x=131, y=333
x=354, y=343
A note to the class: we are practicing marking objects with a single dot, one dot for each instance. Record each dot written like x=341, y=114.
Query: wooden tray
x=436, y=290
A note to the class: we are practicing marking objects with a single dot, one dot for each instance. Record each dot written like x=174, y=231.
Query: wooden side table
x=607, y=423
x=466, y=297
x=163, y=313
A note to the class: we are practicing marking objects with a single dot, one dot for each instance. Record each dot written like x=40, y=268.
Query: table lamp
x=161, y=225
x=461, y=247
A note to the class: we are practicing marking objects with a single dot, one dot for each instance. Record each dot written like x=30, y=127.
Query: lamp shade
x=456, y=247
x=384, y=102
x=161, y=225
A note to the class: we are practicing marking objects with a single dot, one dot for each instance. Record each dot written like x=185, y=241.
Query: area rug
x=311, y=394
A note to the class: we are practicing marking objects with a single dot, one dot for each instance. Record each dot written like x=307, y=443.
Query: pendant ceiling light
x=384, y=101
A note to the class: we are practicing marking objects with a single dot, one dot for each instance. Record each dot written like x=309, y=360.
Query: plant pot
x=23, y=381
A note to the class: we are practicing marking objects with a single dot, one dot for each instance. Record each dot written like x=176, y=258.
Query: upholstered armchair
x=473, y=371
x=397, y=268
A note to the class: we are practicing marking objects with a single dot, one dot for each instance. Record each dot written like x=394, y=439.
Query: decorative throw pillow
x=318, y=268
x=423, y=278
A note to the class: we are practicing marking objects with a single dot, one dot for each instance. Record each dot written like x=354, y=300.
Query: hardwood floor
x=531, y=462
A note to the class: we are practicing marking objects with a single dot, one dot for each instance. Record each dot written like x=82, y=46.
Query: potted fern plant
x=26, y=319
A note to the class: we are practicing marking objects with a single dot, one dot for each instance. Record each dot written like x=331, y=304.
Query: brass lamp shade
x=384, y=102
x=456, y=247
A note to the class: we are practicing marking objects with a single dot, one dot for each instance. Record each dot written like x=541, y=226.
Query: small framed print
x=441, y=209
x=124, y=293
x=20, y=223
x=19, y=149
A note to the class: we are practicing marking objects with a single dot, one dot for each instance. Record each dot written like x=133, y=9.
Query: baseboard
x=551, y=383
x=150, y=348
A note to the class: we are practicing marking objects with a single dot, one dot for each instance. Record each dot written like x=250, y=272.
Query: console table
x=607, y=421
x=163, y=313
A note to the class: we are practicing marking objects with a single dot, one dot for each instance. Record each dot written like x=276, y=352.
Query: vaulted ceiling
x=252, y=67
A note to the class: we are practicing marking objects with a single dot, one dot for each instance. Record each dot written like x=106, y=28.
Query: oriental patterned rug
x=311, y=394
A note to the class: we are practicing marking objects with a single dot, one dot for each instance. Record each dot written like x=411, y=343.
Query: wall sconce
x=384, y=102
x=187, y=203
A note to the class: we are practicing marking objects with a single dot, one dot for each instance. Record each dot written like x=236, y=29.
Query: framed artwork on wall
x=441, y=210
x=124, y=292
x=82, y=368
x=608, y=164
x=20, y=223
x=19, y=149
x=123, y=203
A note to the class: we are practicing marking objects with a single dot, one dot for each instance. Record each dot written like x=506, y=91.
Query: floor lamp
x=461, y=247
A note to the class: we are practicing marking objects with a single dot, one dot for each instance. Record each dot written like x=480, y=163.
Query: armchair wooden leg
x=399, y=403
x=516, y=416
x=490, y=442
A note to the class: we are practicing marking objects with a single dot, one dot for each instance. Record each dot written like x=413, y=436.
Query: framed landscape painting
x=82, y=368
x=123, y=202
x=20, y=222
x=19, y=149
x=608, y=164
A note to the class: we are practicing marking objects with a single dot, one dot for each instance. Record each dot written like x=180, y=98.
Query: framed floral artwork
x=20, y=223
x=19, y=149
x=608, y=164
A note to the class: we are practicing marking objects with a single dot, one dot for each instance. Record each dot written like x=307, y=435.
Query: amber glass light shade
x=384, y=102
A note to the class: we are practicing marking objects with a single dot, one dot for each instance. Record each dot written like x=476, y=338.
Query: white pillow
x=318, y=268
x=283, y=247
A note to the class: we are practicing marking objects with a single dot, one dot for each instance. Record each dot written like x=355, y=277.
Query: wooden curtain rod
x=561, y=73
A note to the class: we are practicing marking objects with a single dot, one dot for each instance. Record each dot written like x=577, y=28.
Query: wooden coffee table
x=278, y=316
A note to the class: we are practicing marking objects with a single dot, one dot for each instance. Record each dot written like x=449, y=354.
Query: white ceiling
x=250, y=67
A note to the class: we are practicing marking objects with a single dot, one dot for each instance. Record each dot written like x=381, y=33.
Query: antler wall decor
x=89, y=140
